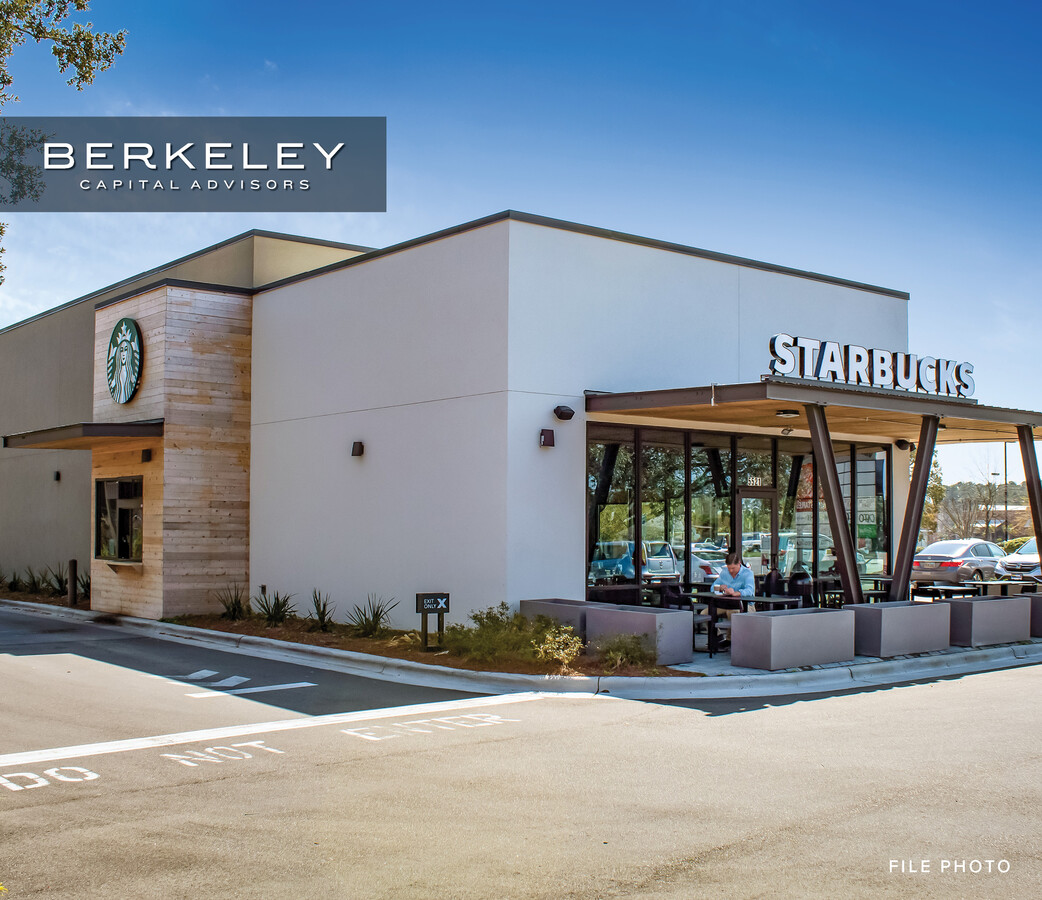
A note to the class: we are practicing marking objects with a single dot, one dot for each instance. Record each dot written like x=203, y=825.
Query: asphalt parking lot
x=132, y=768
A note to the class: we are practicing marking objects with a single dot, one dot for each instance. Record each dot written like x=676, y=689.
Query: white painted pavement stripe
x=230, y=681
x=202, y=673
x=191, y=737
x=255, y=690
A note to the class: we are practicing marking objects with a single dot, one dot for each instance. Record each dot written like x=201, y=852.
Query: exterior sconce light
x=146, y=456
x=357, y=448
x=787, y=414
x=546, y=437
x=902, y=444
x=564, y=413
x=57, y=476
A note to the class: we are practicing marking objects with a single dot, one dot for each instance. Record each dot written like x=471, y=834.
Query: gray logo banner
x=193, y=164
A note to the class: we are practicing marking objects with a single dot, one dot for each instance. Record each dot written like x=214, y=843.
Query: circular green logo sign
x=124, y=360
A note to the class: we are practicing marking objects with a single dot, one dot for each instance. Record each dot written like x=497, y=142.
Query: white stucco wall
x=405, y=353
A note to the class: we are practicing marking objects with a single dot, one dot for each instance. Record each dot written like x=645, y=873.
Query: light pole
x=1005, y=485
x=996, y=474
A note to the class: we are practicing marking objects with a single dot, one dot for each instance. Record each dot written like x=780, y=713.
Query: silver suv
x=1021, y=563
x=613, y=563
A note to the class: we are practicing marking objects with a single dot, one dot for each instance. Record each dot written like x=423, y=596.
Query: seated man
x=735, y=581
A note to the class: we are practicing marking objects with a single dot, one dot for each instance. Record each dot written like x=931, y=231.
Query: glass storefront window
x=872, y=537
x=795, y=508
x=755, y=461
x=118, y=531
x=710, y=505
x=609, y=506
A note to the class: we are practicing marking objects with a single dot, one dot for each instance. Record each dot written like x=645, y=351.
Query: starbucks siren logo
x=124, y=360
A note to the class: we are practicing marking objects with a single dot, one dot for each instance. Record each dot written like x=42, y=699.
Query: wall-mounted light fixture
x=57, y=476
x=357, y=448
x=564, y=413
x=546, y=437
x=146, y=456
x=902, y=444
x=788, y=413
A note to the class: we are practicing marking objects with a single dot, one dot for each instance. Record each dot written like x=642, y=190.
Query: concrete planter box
x=787, y=638
x=990, y=620
x=567, y=612
x=898, y=627
x=669, y=631
x=1036, y=614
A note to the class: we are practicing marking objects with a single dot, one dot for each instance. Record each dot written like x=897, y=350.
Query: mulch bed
x=394, y=645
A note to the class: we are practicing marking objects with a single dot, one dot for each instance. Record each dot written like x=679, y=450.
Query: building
x=465, y=412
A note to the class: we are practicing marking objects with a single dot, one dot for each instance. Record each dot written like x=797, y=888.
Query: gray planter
x=566, y=612
x=899, y=627
x=669, y=631
x=787, y=638
x=990, y=620
x=1036, y=614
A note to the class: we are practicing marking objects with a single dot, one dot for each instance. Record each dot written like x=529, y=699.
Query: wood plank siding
x=196, y=377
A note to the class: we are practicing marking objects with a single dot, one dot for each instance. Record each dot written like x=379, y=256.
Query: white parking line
x=212, y=734
x=255, y=690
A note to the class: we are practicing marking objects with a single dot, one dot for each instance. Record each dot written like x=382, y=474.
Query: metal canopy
x=86, y=435
x=852, y=411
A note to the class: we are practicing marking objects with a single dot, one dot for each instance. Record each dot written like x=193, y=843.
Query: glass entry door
x=759, y=523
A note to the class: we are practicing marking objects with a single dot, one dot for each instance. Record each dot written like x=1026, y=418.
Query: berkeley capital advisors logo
x=124, y=360
x=194, y=164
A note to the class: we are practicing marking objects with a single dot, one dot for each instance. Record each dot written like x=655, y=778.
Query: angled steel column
x=914, y=508
x=1034, y=486
x=828, y=478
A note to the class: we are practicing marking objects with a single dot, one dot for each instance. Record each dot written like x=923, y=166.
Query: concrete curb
x=881, y=673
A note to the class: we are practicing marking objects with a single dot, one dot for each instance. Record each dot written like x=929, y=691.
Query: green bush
x=275, y=608
x=235, y=601
x=15, y=584
x=625, y=650
x=372, y=619
x=33, y=581
x=58, y=579
x=321, y=610
x=559, y=643
x=1014, y=544
x=83, y=581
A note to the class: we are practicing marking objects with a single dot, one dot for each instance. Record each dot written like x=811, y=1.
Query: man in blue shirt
x=735, y=580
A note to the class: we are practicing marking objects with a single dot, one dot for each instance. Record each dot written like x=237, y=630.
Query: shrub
x=558, y=643
x=497, y=633
x=275, y=608
x=59, y=580
x=1014, y=544
x=33, y=581
x=3, y=577
x=372, y=619
x=321, y=610
x=624, y=650
x=15, y=583
x=235, y=601
x=83, y=582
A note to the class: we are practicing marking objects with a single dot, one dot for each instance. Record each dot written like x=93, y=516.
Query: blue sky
x=891, y=143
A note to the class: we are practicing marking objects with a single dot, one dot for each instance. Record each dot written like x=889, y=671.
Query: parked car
x=613, y=563
x=1021, y=563
x=706, y=562
x=956, y=561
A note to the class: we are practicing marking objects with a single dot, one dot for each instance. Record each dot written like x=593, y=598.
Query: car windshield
x=712, y=555
x=658, y=549
x=1029, y=547
x=611, y=550
x=945, y=548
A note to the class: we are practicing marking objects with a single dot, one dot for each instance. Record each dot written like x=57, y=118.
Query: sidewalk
x=720, y=680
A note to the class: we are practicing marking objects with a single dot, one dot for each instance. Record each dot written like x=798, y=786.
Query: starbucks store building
x=502, y=410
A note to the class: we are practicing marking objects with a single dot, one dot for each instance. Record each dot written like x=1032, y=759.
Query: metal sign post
x=432, y=603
